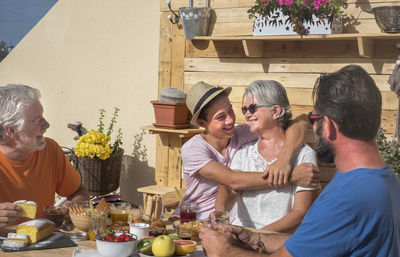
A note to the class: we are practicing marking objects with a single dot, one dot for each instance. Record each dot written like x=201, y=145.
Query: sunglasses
x=313, y=117
x=252, y=108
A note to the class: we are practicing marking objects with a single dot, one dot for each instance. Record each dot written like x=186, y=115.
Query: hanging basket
x=100, y=176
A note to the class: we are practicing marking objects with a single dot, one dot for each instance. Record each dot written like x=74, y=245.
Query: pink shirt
x=195, y=154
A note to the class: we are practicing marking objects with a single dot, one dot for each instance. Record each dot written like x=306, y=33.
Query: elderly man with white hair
x=32, y=167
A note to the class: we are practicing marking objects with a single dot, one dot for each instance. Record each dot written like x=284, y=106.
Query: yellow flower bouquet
x=99, y=161
x=96, y=144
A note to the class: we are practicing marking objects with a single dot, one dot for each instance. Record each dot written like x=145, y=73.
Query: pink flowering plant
x=298, y=11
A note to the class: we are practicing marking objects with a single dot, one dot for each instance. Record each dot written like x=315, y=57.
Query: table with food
x=107, y=229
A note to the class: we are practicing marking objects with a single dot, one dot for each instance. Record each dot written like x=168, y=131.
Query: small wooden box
x=155, y=195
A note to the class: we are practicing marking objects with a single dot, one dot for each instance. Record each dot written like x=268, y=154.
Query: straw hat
x=200, y=95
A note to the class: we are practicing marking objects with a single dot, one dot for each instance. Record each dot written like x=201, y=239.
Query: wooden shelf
x=253, y=45
x=187, y=132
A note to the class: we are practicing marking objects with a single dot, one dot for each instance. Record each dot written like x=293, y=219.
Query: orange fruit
x=183, y=247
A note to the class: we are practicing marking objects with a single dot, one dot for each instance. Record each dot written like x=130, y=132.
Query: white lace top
x=258, y=208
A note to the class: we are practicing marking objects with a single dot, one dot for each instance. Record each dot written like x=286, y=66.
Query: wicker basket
x=101, y=176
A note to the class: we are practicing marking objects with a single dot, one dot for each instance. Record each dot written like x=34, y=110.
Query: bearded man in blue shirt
x=358, y=213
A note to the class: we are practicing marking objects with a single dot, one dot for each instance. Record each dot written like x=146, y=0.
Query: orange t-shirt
x=46, y=172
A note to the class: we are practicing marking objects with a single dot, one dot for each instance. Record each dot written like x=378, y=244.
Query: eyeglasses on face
x=252, y=108
x=313, y=117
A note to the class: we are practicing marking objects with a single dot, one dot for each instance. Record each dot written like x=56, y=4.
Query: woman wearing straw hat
x=267, y=110
x=205, y=156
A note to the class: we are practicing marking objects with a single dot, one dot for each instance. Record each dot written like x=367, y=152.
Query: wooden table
x=68, y=251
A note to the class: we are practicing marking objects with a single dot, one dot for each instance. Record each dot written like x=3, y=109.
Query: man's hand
x=9, y=213
x=238, y=235
x=277, y=174
x=214, y=243
x=67, y=204
x=306, y=175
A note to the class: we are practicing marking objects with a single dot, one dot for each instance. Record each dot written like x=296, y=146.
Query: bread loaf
x=28, y=208
x=36, y=229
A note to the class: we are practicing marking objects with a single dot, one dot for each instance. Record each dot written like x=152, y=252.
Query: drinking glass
x=55, y=214
x=188, y=212
x=184, y=231
x=97, y=224
x=119, y=212
x=221, y=217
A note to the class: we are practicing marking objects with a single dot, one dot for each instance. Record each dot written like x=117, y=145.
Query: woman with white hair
x=267, y=112
x=206, y=156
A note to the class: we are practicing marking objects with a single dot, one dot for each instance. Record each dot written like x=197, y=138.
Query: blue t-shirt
x=358, y=214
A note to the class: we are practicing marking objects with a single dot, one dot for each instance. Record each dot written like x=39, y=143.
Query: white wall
x=90, y=54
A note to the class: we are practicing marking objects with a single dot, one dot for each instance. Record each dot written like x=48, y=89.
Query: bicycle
x=80, y=130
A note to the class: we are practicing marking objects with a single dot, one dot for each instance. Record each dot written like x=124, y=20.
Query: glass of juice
x=188, y=212
x=119, y=212
x=97, y=224
x=221, y=217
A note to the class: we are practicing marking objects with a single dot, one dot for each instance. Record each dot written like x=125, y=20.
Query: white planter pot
x=264, y=26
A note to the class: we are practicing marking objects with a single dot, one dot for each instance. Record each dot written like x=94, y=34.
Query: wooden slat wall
x=295, y=64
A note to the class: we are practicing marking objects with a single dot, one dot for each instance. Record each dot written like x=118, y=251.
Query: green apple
x=163, y=246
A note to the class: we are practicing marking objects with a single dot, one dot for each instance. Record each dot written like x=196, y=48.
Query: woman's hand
x=9, y=213
x=306, y=175
x=277, y=174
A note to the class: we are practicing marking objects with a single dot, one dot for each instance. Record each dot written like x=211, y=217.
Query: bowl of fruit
x=116, y=244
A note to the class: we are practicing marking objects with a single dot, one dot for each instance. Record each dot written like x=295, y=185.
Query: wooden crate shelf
x=168, y=171
x=187, y=132
x=253, y=45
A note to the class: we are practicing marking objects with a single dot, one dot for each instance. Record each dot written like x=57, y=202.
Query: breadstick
x=144, y=201
x=158, y=208
x=149, y=208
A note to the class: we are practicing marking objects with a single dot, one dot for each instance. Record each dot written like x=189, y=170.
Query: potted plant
x=298, y=14
x=98, y=161
x=171, y=110
x=390, y=151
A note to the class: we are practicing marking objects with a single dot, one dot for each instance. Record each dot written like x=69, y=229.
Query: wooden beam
x=253, y=48
x=365, y=47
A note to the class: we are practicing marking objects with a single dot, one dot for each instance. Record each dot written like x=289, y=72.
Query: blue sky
x=18, y=17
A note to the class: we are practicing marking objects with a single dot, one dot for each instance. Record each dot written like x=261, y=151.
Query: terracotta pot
x=170, y=114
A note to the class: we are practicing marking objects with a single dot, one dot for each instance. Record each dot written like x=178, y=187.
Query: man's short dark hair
x=351, y=98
